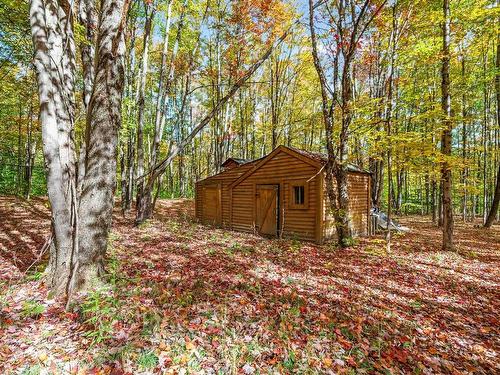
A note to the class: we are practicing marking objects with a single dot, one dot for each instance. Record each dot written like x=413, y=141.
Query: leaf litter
x=185, y=298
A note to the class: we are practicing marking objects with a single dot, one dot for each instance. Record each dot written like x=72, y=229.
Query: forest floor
x=184, y=298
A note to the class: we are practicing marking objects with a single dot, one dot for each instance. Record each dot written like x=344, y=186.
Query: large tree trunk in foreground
x=54, y=61
x=103, y=124
x=446, y=135
x=79, y=227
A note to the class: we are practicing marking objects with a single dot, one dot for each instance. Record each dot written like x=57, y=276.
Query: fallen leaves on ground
x=185, y=298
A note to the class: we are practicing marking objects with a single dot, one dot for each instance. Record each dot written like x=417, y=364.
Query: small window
x=298, y=195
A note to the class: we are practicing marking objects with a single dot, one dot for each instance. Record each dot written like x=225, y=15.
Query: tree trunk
x=79, y=227
x=496, y=198
x=327, y=111
x=433, y=202
x=19, y=179
x=141, y=105
x=494, y=206
x=160, y=101
x=30, y=153
x=485, y=141
x=464, y=146
x=87, y=17
x=128, y=187
x=54, y=61
x=103, y=123
x=343, y=222
x=446, y=137
x=390, y=105
x=349, y=33
x=123, y=178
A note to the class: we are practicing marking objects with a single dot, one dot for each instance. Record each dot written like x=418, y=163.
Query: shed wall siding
x=358, y=185
x=280, y=169
x=225, y=179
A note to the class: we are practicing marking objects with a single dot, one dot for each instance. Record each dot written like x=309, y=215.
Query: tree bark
x=496, y=198
x=54, y=61
x=141, y=105
x=446, y=137
x=103, y=123
x=80, y=224
x=87, y=17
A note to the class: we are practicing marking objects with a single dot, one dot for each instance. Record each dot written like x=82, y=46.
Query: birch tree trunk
x=103, y=124
x=87, y=17
x=80, y=223
x=54, y=61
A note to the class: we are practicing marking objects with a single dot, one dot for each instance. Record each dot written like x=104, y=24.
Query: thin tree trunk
x=30, y=152
x=389, y=128
x=464, y=146
x=142, y=104
x=485, y=141
x=327, y=111
x=446, y=135
x=19, y=152
x=162, y=87
x=130, y=151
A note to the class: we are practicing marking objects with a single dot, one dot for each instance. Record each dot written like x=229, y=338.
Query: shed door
x=212, y=213
x=266, y=209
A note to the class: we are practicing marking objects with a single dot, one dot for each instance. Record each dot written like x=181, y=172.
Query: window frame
x=291, y=195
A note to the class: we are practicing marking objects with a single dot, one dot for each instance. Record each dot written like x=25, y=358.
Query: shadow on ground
x=288, y=306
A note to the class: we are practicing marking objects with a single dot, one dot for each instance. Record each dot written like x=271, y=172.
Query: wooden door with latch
x=266, y=209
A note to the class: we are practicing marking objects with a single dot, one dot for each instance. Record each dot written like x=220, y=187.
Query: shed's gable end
x=272, y=155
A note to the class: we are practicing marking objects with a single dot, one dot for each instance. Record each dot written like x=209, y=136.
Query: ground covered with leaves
x=183, y=298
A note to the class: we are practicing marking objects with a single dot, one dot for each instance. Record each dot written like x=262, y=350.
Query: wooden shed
x=282, y=193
